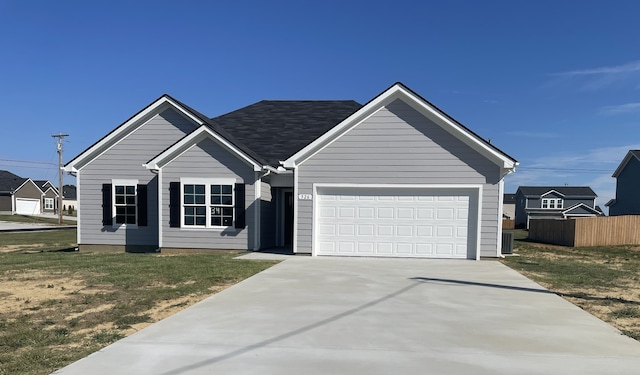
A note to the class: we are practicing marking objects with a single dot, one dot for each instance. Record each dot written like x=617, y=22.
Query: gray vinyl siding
x=397, y=145
x=28, y=190
x=208, y=159
x=267, y=216
x=124, y=161
x=5, y=203
x=627, y=188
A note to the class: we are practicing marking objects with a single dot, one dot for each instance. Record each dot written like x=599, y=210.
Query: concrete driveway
x=375, y=316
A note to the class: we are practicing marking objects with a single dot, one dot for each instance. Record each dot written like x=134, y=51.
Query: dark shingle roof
x=9, y=181
x=509, y=198
x=277, y=129
x=69, y=191
x=579, y=191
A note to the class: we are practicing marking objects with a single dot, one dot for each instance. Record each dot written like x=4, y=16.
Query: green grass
x=604, y=280
x=35, y=220
x=49, y=240
x=90, y=290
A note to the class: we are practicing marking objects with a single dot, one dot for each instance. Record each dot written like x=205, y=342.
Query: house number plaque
x=305, y=197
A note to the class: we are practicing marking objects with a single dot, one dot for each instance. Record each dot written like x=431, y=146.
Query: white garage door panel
x=397, y=222
x=27, y=206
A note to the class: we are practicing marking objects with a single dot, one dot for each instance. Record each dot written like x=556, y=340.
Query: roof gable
x=566, y=191
x=401, y=92
x=106, y=142
x=190, y=140
x=578, y=207
x=276, y=129
x=630, y=155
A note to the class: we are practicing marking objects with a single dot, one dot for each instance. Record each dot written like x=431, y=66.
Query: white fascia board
x=54, y=191
x=579, y=205
x=399, y=92
x=551, y=191
x=127, y=127
x=198, y=135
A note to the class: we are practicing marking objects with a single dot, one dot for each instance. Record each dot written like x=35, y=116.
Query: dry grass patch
x=58, y=307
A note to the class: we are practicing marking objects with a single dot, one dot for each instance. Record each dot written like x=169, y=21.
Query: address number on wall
x=305, y=197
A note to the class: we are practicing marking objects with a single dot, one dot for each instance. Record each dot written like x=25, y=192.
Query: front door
x=288, y=218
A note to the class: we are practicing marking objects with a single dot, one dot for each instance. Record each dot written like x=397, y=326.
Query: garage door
x=428, y=223
x=27, y=206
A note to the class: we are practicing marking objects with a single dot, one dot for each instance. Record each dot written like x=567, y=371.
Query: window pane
x=119, y=219
x=201, y=211
x=215, y=221
x=188, y=220
x=131, y=210
x=215, y=189
x=216, y=211
x=131, y=199
x=120, y=210
x=119, y=199
x=215, y=200
x=131, y=219
x=188, y=189
x=119, y=189
x=200, y=199
x=227, y=211
x=131, y=190
x=199, y=189
x=227, y=200
x=226, y=189
x=201, y=220
x=189, y=211
x=188, y=199
x=226, y=221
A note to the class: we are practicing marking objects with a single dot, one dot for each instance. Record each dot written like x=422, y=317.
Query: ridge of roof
x=565, y=190
x=276, y=129
x=10, y=181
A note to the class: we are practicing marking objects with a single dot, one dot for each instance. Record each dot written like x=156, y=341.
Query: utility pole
x=60, y=137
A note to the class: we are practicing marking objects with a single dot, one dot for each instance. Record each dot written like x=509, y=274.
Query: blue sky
x=554, y=84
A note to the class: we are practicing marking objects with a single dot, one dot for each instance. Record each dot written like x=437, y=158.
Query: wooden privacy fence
x=508, y=224
x=587, y=231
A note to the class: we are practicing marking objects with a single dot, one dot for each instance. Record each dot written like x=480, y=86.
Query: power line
x=28, y=162
x=569, y=170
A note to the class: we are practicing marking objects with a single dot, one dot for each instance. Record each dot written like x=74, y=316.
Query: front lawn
x=603, y=280
x=57, y=307
x=35, y=219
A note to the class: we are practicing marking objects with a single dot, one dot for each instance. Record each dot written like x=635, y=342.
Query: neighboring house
x=49, y=196
x=396, y=177
x=554, y=202
x=509, y=206
x=627, y=200
x=69, y=197
x=19, y=195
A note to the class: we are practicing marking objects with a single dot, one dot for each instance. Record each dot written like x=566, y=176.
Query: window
x=48, y=203
x=124, y=202
x=552, y=203
x=207, y=203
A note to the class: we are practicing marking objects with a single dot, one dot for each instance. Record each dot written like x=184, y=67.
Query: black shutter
x=174, y=204
x=107, y=214
x=239, y=208
x=142, y=205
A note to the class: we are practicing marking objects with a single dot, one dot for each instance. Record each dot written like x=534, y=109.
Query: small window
x=124, y=200
x=48, y=203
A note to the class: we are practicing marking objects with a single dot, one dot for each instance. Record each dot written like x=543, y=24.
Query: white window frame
x=557, y=203
x=207, y=182
x=49, y=203
x=114, y=214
